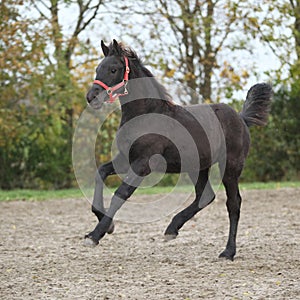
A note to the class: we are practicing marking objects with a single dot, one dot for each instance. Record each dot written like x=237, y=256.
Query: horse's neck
x=144, y=96
x=138, y=107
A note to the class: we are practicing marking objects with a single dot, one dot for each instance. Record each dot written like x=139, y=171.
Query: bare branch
x=227, y=31
x=96, y=9
x=81, y=25
x=275, y=52
x=44, y=4
x=34, y=3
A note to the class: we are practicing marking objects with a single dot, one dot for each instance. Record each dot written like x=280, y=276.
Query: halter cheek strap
x=110, y=90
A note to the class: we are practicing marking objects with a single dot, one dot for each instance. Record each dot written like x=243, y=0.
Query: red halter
x=110, y=90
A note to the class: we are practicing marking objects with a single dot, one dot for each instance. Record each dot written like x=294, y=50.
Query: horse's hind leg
x=204, y=196
x=233, y=207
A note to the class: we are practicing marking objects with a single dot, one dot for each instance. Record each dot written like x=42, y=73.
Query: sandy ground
x=42, y=256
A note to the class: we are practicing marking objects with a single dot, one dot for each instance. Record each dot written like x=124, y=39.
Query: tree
x=19, y=59
x=60, y=63
x=40, y=94
x=274, y=155
x=277, y=25
x=194, y=34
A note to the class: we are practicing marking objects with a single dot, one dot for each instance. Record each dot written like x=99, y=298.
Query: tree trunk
x=209, y=56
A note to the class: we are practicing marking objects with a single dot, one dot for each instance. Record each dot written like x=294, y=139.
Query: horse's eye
x=113, y=70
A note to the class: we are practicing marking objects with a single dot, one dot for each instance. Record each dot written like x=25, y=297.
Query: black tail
x=257, y=105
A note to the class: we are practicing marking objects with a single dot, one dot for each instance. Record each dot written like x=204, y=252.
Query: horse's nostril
x=89, y=96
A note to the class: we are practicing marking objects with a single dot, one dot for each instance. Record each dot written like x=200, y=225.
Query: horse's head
x=111, y=76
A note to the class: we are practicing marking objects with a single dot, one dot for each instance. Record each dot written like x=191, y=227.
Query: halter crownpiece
x=110, y=90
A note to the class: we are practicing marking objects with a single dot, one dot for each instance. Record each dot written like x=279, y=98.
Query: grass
x=269, y=185
x=33, y=195
x=39, y=194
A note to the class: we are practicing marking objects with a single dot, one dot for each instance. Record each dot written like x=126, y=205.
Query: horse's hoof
x=170, y=237
x=111, y=228
x=89, y=242
x=225, y=254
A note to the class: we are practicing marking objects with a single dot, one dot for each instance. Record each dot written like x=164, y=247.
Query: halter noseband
x=110, y=90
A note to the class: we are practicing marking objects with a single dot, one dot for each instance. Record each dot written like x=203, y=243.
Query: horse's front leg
x=117, y=165
x=125, y=190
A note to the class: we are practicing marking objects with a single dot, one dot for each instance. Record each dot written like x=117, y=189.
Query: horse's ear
x=116, y=47
x=105, y=49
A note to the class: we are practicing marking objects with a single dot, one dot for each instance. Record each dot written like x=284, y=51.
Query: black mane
x=138, y=69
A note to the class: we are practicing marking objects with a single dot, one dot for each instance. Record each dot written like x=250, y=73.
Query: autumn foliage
x=45, y=74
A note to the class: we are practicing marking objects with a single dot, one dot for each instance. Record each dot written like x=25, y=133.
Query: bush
x=274, y=153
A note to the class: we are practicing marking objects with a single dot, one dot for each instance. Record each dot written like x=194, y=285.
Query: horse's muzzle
x=95, y=98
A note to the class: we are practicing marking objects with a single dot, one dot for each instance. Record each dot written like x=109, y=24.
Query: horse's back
x=225, y=128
